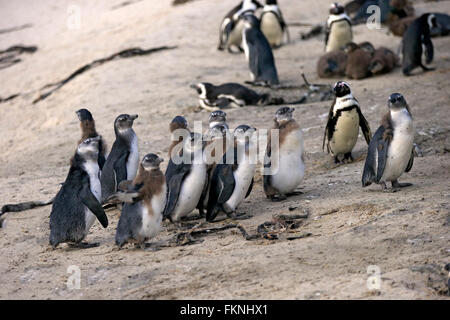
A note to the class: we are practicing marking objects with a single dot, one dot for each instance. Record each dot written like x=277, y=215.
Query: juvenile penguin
x=418, y=34
x=77, y=204
x=187, y=179
x=383, y=61
x=178, y=131
x=344, y=119
x=142, y=215
x=284, y=167
x=230, y=35
x=358, y=61
x=230, y=94
x=232, y=182
x=332, y=64
x=123, y=160
x=87, y=125
x=258, y=53
x=391, y=149
x=339, y=29
x=272, y=24
x=218, y=117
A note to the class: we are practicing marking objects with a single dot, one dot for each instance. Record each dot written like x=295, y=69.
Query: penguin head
x=251, y=21
x=341, y=88
x=89, y=147
x=202, y=89
x=271, y=2
x=350, y=47
x=151, y=161
x=368, y=47
x=336, y=8
x=84, y=114
x=376, y=66
x=193, y=143
x=179, y=122
x=396, y=101
x=218, y=131
x=284, y=114
x=217, y=116
x=242, y=132
x=124, y=122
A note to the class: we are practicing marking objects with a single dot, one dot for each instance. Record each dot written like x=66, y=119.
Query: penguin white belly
x=243, y=177
x=340, y=35
x=235, y=36
x=151, y=221
x=345, y=132
x=291, y=168
x=270, y=27
x=93, y=171
x=400, y=148
x=133, y=159
x=190, y=191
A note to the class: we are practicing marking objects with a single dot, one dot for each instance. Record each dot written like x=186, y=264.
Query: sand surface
x=406, y=234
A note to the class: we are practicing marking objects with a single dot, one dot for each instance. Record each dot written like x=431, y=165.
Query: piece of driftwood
x=48, y=89
x=11, y=55
x=22, y=207
x=12, y=29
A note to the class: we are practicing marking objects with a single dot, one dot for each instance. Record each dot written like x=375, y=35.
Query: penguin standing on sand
x=87, y=125
x=232, y=182
x=187, y=179
x=142, y=214
x=258, y=53
x=123, y=160
x=391, y=149
x=284, y=167
x=272, y=24
x=231, y=27
x=344, y=119
x=77, y=204
x=418, y=34
x=339, y=29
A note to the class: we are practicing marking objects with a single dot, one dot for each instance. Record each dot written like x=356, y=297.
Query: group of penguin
x=357, y=61
x=213, y=171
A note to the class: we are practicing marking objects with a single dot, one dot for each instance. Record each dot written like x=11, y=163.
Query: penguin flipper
x=249, y=189
x=410, y=162
x=174, y=187
x=90, y=201
x=364, y=126
x=370, y=166
x=429, y=51
x=382, y=146
x=328, y=127
x=222, y=187
x=120, y=168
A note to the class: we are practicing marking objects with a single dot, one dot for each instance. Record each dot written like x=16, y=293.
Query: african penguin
x=383, y=61
x=178, y=131
x=344, y=119
x=232, y=180
x=233, y=95
x=258, y=53
x=77, y=204
x=123, y=160
x=87, y=125
x=338, y=30
x=142, y=215
x=284, y=166
x=418, y=34
x=332, y=64
x=272, y=24
x=391, y=149
x=217, y=117
x=230, y=34
x=186, y=181
x=358, y=61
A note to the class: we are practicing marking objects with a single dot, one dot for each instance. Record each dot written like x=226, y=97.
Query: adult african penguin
x=344, y=119
x=78, y=202
x=123, y=160
x=230, y=34
x=87, y=125
x=418, y=34
x=258, y=53
x=232, y=180
x=391, y=150
x=187, y=179
x=284, y=165
x=142, y=213
x=273, y=25
x=338, y=29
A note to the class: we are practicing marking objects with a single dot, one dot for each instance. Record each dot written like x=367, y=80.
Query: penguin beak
x=78, y=114
x=160, y=160
x=193, y=86
x=133, y=117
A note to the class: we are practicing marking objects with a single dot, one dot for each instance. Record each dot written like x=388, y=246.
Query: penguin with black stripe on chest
x=87, y=125
x=273, y=25
x=339, y=29
x=344, y=119
x=258, y=53
x=145, y=199
x=391, y=150
x=230, y=35
x=77, y=204
x=232, y=182
x=284, y=167
x=123, y=160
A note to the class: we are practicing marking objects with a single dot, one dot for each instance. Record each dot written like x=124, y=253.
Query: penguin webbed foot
x=84, y=245
x=278, y=198
x=397, y=185
x=294, y=193
x=348, y=158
